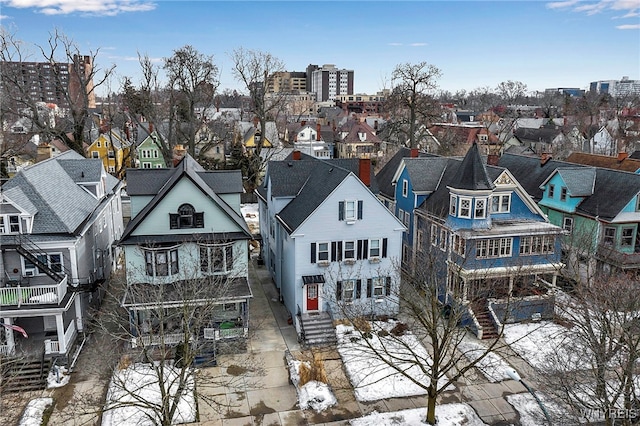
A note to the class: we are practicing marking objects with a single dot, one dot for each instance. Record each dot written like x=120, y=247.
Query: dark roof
x=635, y=154
x=150, y=181
x=385, y=176
x=471, y=173
x=425, y=172
x=613, y=189
x=189, y=169
x=626, y=164
x=536, y=135
x=530, y=172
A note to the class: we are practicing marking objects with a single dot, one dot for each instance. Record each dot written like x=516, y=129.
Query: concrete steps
x=484, y=319
x=318, y=329
x=24, y=374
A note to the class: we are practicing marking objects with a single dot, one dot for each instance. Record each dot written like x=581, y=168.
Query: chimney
x=318, y=132
x=150, y=127
x=255, y=121
x=492, y=159
x=303, y=123
x=544, y=158
x=414, y=152
x=296, y=155
x=364, y=171
x=43, y=151
x=375, y=125
x=622, y=156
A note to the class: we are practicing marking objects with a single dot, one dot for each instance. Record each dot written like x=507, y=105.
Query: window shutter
x=173, y=220
x=365, y=249
x=359, y=249
x=360, y=208
x=384, y=247
x=341, y=210
x=369, y=287
x=387, y=286
x=313, y=252
x=198, y=219
x=339, y=290
x=339, y=250
x=358, y=289
x=334, y=249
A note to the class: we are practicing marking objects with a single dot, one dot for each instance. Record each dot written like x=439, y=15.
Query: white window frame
x=319, y=252
x=465, y=212
x=567, y=224
x=453, y=205
x=406, y=219
x=405, y=188
x=533, y=245
x=377, y=287
x=563, y=193
x=609, y=239
x=219, y=258
x=372, y=249
x=459, y=244
x=95, y=154
x=153, y=258
x=434, y=234
x=629, y=237
x=552, y=190
x=29, y=269
x=7, y=227
x=350, y=210
x=345, y=250
x=498, y=207
x=483, y=209
x=146, y=165
x=443, y=239
x=494, y=248
x=348, y=287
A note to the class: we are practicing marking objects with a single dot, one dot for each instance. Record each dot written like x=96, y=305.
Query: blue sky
x=475, y=43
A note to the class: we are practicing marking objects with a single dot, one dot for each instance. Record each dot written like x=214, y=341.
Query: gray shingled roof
x=580, y=181
x=536, y=135
x=52, y=187
x=425, y=173
x=385, y=176
x=190, y=169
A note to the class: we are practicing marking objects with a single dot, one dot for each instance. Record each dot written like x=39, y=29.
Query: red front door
x=312, y=297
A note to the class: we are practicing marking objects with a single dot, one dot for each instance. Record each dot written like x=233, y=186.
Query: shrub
x=400, y=329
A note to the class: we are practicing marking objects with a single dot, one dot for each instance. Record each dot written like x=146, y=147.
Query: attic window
x=187, y=217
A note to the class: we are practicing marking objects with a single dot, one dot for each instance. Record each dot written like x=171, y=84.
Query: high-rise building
x=327, y=81
x=616, y=88
x=59, y=83
x=287, y=82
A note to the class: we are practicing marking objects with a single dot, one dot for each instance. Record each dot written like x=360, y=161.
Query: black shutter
x=360, y=208
x=333, y=251
x=387, y=286
x=173, y=220
x=199, y=219
x=341, y=210
x=358, y=289
x=339, y=251
x=384, y=247
x=365, y=249
x=369, y=287
x=339, y=290
x=313, y=252
x=359, y=249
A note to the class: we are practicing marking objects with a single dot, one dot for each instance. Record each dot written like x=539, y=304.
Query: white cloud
x=87, y=7
x=394, y=44
x=418, y=44
x=561, y=4
x=131, y=58
x=3, y=17
x=629, y=27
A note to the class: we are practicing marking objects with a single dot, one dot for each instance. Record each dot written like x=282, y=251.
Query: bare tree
x=411, y=101
x=74, y=77
x=512, y=92
x=253, y=68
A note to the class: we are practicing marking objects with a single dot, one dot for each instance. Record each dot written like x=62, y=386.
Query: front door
x=312, y=297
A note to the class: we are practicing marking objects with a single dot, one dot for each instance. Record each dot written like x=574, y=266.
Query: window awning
x=312, y=279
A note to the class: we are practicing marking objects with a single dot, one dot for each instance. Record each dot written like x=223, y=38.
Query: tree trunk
x=431, y=405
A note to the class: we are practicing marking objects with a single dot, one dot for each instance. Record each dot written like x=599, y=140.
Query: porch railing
x=53, y=346
x=35, y=295
x=157, y=340
x=6, y=350
x=618, y=258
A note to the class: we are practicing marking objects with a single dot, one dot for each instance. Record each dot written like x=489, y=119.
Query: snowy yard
x=370, y=376
x=134, y=396
x=34, y=411
x=313, y=394
x=446, y=414
x=493, y=367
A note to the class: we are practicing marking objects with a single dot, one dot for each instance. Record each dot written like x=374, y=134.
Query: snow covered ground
x=531, y=413
x=315, y=395
x=250, y=214
x=134, y=390
x=446, y=414
x=34, y=411
x=370, y=376
x=492, y=366
x=535, y=342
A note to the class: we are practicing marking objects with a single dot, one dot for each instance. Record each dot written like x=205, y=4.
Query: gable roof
x=425, y=172
x=385, y=176
x=627, y=164
x=190, y=169
x=354, y=134
x=612, y=190
x=48, y=189
x=536, y=135
x=580, y=181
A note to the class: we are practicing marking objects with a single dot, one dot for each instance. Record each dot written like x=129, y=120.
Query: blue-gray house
x=495, y=252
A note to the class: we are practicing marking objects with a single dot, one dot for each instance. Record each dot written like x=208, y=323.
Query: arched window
x=186, y=217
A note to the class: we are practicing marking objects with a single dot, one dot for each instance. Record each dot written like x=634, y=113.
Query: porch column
x=510, y=286
x=554, y=279
x=11, y=341
x=78, y=308
x=60, y=327
x=465, y=289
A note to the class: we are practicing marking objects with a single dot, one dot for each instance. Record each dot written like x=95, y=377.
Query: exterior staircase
x=483, y=316
x=318, y=329
x=24, y=374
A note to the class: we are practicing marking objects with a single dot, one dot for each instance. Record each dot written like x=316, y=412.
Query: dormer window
x=563, y=193
x=10, y=224
x=501, y=203
x=465, y=208
x=187, y=217
x=480, y=211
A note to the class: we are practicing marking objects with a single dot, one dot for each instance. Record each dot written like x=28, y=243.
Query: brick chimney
x=544, y=158
x=256, y=120
x=492, y=159
x=364, y=171
x=296, y=155
x=150, y=127
x=622, y=156
x=303, y=123
x=414, y=152
x=318, y=134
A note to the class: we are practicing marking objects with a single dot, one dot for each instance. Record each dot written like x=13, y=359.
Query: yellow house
x=114, y=150
x=252, y=136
